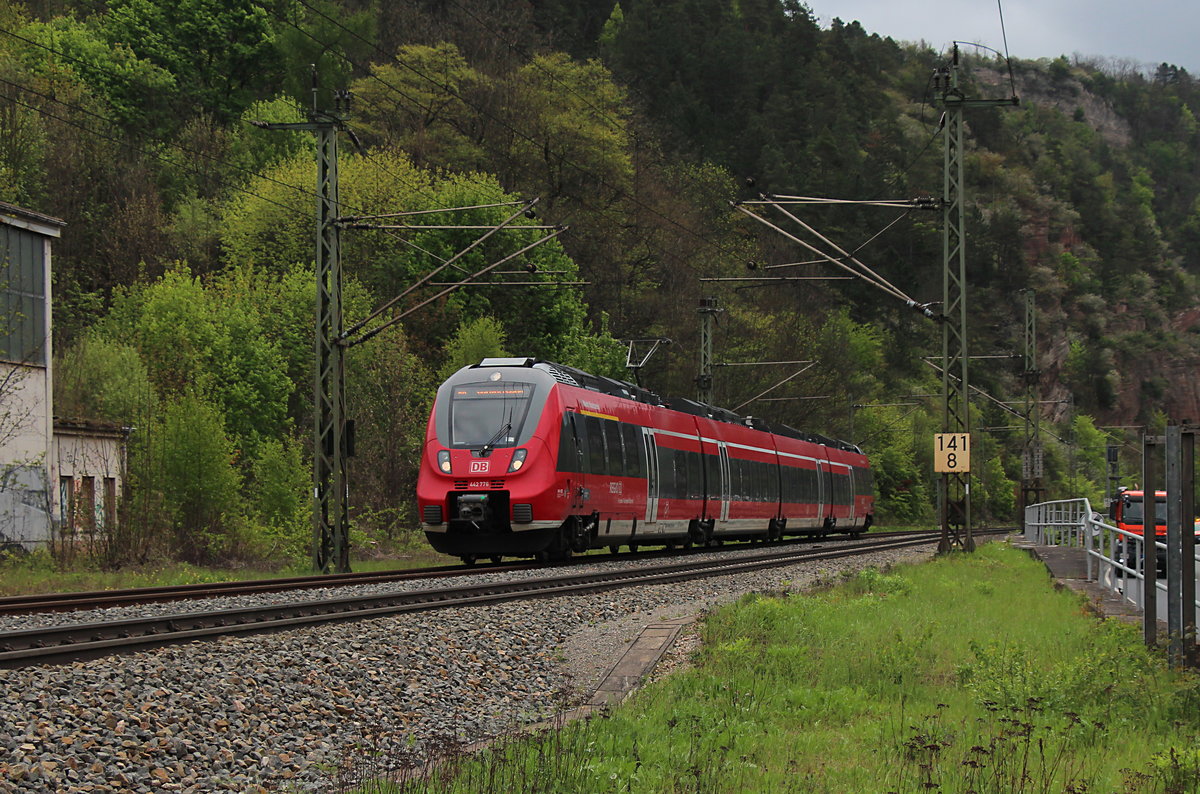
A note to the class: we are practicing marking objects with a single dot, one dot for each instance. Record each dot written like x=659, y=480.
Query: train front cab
x=487, y=485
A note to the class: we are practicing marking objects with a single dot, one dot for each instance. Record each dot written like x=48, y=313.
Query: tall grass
x=968, y=674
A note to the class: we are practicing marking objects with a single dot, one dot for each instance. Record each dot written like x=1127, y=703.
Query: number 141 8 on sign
x=951, y=453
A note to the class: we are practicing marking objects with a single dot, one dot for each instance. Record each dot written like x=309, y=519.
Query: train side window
x=634, y=449
x=568, y=451
x=695, y=476
x=666, y=468
x=595, y=443
x=841, y=487
x=683, y=461
x=681, y=473
x=712, y=476
x=616, y=455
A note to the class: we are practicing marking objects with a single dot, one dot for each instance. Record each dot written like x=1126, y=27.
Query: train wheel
x=614, y=549
x=496, y=558
x=633, y=548
x=468, y=559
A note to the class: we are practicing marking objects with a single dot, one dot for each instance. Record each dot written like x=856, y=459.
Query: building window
x=66, y=503
x=22, y=296
x=87, y=504
x=110, y=502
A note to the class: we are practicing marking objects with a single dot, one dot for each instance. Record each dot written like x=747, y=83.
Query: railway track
x=85, y=641
x=103, y=599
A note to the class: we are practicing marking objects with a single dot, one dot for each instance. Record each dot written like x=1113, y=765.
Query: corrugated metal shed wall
x=22, y=296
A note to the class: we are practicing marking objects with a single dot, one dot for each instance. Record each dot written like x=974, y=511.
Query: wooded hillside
x=183, y=282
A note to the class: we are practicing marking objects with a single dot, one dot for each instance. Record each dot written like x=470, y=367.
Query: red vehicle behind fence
x=1128, y=512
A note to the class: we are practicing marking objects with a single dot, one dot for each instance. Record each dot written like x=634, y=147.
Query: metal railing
x=1115, y=557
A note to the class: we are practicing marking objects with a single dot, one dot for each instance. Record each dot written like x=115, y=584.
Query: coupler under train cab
x=487, y=524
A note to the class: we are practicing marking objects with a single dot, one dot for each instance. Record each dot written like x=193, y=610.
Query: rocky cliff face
x=1152, y=368
x=1065, y=93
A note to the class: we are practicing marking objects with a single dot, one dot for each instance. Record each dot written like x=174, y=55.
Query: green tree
x=326, y=36
x=598, y=353
x=901, y=493
x=278, y=492
x=390, y=395
x=565, y=133
x=102, y=380
x=219, y=51
x=134, y=91
x=474, y=341
x=190, y=462
x=420, y=104
x=262, y=232
x=209, y=342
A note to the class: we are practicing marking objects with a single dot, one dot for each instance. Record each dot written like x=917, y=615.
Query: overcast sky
x=1149, y=31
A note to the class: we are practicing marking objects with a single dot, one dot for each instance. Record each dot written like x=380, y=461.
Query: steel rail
x=95, y=599
x=61, y=602
x=87, y=641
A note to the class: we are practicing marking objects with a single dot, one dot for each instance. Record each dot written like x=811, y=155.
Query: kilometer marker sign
x=951, y=453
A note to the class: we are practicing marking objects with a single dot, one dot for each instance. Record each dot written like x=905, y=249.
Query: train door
x=823, y=495
x=577, y=439
x=853, y=490
x=651, y=475
x=830, y=495
x=723, y=454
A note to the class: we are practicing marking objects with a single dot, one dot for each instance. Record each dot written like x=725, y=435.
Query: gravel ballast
x=281, y=711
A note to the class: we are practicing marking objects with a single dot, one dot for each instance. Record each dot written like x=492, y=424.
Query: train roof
x=619, y=388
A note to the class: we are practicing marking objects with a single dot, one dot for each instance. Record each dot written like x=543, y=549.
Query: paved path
x=1068, y=566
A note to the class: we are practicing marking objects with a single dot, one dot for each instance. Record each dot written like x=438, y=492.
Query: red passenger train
x=529, y=458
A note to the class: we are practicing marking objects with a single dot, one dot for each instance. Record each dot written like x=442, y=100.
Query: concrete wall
x=88, y=468
x=26, y=384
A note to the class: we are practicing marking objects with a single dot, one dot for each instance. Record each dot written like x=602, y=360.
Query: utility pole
x=1032, y=461
x=708, y=312
x=954, y=491
x=331, y=520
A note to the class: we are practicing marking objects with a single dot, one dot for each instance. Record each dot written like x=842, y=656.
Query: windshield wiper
x=486, y=449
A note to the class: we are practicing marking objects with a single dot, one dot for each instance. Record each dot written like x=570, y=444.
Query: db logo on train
x=479, y=467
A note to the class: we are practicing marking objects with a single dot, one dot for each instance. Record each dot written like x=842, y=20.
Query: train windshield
x=488, y=414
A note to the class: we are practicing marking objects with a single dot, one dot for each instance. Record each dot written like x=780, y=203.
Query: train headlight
x=518, y=460
x=444, y=460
